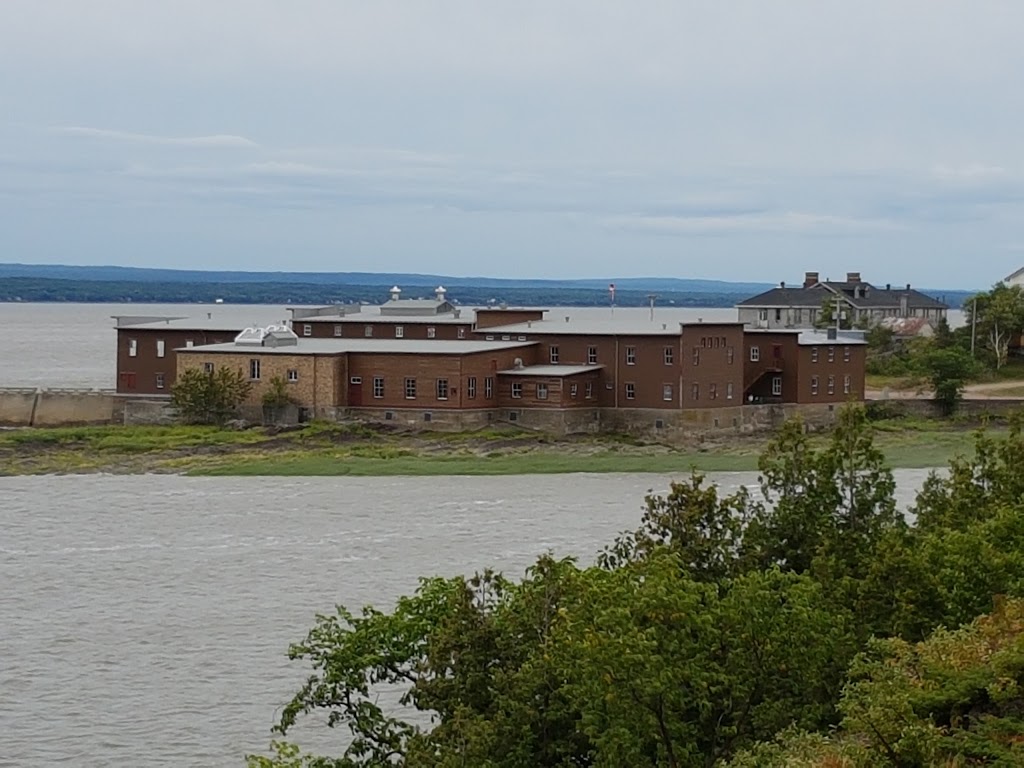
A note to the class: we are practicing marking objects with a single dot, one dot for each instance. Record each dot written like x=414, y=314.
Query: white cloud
x=789, y=222
x=216, y=141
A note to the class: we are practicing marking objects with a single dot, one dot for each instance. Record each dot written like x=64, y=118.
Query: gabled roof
x=873, y=297
x=1019, y=274
x=789, y=297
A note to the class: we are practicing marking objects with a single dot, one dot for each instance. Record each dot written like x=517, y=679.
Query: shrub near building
x=212, y=397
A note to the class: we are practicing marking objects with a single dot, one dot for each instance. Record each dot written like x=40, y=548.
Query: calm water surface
x=145, y=620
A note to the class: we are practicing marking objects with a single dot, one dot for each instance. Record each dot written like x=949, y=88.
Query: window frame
x=441, y=389
x=755, y=354
x=630, y=355
x=161, y=348
x=399, y=331
x=667, y=393
x=133, y=347
x=591, y=355
x=776, y=386
x=255, y=369
x=669, y=356
x=553, y=355
x=409, y=388
x=517, y=390
x=377, y=387
x=630, y=390
x=307, y=329
x=471, y=388
x=292, y=375
x=542, y=390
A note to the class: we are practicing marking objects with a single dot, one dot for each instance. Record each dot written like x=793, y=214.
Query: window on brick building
x=728, y=390
x=591, y=355
x=133, y=347
x=410, y=389
x=846, y=384
x=307, y=330
x=337, y=330
x=442, y=389
x=713, y=391
x=831, y=354
x=695, y=391
x=542, y=391
x=471, y=387
x=574, y=390
x=755, y=354
x=368, y=331
x=777, y=386
x=846, y=354
x=553, y=354
x=814, y=385
x=696, y=355
x=488, y=387
x=254, y=369
x=630, y=391
x=207, y=367
x=159, y=381
x=590, y=390
x=517, y=389
x=431, y=332
x=378, y=387
x=666, y=393
x=814, y=354
x=293, y=375
x=831, y=385
x=730, y=355
x=161, y=347
x=669, y=355
x=399, y=332
x=462, y=333
x=630, y=355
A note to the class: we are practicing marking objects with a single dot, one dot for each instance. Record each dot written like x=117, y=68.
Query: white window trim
x=755, y=354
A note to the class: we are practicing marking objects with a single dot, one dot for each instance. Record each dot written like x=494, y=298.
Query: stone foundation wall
x=970, y=410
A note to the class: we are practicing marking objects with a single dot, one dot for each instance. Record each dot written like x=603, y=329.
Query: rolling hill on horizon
x=111, y=273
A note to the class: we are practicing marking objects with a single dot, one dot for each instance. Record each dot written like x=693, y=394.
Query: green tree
x=948, y=369
x=956, y=699
x=703, y=529
x=209, y=398
x=998, y=318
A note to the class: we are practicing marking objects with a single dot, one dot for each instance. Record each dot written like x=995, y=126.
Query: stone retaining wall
x=78, y=407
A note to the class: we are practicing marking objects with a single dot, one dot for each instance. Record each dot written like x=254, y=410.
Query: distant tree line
x=14, y=289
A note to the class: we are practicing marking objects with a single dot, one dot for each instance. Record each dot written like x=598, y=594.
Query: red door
x=355, y=392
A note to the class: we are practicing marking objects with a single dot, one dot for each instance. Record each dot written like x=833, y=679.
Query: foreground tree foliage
x=814, y=628
x=209, y=398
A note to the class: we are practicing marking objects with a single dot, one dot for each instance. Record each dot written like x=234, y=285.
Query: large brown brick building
x=417, y=360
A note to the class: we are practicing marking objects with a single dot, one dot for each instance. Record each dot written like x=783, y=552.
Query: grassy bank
x=331, y=449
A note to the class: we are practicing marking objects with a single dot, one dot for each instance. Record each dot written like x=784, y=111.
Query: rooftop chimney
x=810, y=278
x=853, y=277
x=396, y=293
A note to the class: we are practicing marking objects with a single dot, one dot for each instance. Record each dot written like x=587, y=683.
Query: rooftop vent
x=440, y=292
x=396, y=293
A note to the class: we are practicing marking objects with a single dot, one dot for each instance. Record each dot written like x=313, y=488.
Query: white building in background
x=1017, y=278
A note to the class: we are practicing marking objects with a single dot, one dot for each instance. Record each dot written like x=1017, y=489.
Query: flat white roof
x=551, y=370
x=375, y=346
x=210, y=323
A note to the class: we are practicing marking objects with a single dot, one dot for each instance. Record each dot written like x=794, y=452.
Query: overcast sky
x=741, y=140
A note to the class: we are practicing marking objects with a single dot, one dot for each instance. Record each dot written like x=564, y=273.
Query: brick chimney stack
x=853, y=277
x=810, y=279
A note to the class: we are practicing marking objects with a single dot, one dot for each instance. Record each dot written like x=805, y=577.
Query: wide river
x=144, y=621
